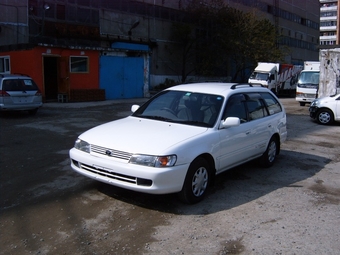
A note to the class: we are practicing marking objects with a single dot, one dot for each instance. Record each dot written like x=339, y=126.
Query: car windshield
x=19, y=85
x=183, y=107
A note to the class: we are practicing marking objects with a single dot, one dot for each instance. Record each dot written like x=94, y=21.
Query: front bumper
x=312, y=111
x=308, y=99
x=122, y=174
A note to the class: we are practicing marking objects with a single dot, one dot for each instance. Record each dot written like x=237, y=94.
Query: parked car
x=182, y=137
x=326, y=110
x=19, y=93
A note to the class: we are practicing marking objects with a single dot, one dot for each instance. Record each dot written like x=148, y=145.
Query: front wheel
x=268, y=157
x=324, y=116
x=196, y=182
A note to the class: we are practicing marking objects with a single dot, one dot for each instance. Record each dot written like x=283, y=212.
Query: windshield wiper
x=154, y=117
x=194, y=122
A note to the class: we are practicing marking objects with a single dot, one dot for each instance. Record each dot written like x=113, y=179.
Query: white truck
x=279, y=78
x=329, y=72
x=308, y=82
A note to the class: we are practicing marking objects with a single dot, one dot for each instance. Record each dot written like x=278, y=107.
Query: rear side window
x=272, y=104
x=251, y=106
x=19, y=85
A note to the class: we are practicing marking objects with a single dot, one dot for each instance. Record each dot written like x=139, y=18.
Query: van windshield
x=259, y=76
x=309, y=78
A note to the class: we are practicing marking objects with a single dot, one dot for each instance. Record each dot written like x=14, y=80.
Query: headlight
x=82, y=145
x=154, y=161
x=314, y=103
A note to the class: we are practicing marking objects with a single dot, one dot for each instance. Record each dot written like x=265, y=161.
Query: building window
x=4, y=65
x=61, y=12
x=79, y=64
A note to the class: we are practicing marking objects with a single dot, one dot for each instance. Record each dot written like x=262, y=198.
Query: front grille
x=110, y=152
x=109, y=174
x=113, y=175
x=309, y=95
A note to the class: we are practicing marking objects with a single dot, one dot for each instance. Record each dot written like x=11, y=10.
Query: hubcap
x=324, y=117
x=272, y=151
x=200, y=181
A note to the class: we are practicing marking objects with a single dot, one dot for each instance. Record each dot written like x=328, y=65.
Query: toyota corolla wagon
x=184, y=136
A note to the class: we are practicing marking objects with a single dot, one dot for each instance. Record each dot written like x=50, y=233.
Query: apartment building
x=329, y=22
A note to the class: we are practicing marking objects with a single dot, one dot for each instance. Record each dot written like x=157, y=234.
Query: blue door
x=122, y=77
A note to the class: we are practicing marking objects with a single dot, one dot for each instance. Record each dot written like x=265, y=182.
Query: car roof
x=16, y=76
x=218, y=88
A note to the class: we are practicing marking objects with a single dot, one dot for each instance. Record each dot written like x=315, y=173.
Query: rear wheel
x=302, y=104
x=268, y=157
x=196, y=182
x=324, y=116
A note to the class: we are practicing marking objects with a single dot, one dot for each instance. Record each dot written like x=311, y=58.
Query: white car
x=19, y=93
x=182, y=137
x=326, y=110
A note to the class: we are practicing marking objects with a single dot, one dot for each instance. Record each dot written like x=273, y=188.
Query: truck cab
x=265, y=74
x=308, y=83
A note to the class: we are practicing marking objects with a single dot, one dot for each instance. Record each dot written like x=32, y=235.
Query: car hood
x=329, y=98
x=324, y=100
x=138, y=135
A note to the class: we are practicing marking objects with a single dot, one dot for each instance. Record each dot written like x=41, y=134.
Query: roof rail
x=240, y=85
x=245, y=85
x=22, y=74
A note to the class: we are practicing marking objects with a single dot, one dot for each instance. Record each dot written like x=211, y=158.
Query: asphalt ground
x=47, y=208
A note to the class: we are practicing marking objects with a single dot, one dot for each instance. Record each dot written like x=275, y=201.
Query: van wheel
x=302, y=104
x=324, y=116
x=196, y=182
x=268, y=157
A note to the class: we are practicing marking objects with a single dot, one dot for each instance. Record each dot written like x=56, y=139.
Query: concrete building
x=78, y=49
x=296, y=21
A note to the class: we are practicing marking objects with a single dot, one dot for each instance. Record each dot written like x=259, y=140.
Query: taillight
x=4, y=93
x=38, y=93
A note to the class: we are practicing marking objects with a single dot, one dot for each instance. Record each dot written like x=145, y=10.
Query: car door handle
x=248, y=132
x=269, y=125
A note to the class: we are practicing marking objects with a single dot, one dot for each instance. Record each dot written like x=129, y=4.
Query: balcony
x=329, y=8
x=329, y=18
x=328, y=38
x=328, y=28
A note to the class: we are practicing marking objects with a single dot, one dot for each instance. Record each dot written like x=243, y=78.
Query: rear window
x=19, y=85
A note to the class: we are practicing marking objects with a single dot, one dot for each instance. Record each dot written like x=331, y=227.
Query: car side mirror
x=134, y=108
x=230, y=122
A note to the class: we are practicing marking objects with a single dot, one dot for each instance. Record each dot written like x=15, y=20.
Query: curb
x=75, y=105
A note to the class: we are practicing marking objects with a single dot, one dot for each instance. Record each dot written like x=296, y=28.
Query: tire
x=196, y=182
x=302, y=104
x=268, y=157
x=33, y=112
x=324, y=117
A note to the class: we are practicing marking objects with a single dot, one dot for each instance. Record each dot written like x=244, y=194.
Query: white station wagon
x=184, y=136
x=19, y=93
